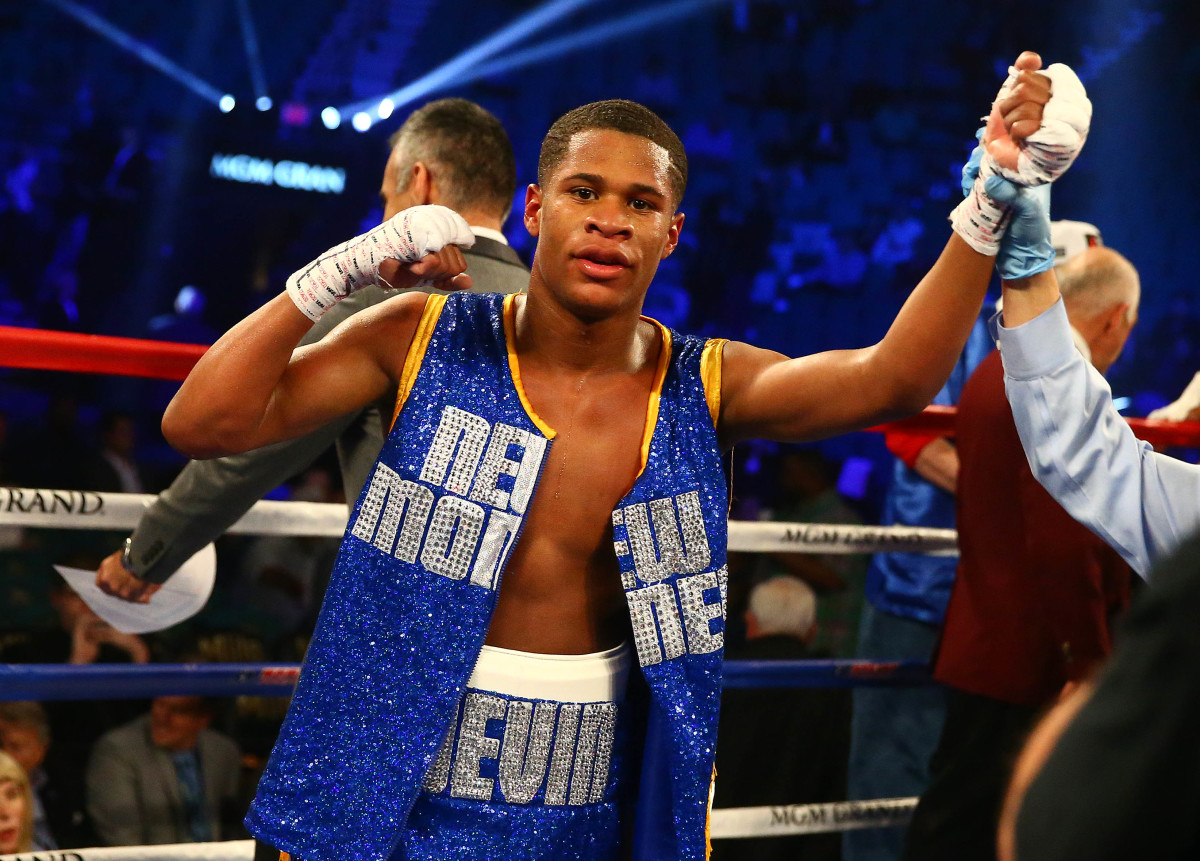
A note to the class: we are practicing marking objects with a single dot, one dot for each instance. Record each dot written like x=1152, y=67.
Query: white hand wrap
x=1043, y=157
x=1178, y=411
x=408, y=236
x=1047, y=153
x=979, y=220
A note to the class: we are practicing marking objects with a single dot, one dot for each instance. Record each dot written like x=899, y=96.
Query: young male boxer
x=551, y=488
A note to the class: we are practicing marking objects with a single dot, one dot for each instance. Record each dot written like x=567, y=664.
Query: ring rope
x=734, y=822
x=940, y=420
x=44, y=350
x=143, y=681
x=228, y=850
x=86, y=509
x=792, y=819
x=825, y=673
x=47, y=350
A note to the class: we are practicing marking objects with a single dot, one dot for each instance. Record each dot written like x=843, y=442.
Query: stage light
x=385, y=108
x=331, y=117
x=253, y=60
x=142, y=51
x=227, y=103
x=590, y=37
x=361, y=121
x=294, y=114
x=447, y=73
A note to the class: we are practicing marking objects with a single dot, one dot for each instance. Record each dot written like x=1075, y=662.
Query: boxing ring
x=75, y=509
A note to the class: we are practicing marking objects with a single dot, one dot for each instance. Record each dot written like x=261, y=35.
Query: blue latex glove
x=970, y=170
x=1026, y=248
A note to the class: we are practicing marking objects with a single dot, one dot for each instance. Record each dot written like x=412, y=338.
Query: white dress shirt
x=1142, y=503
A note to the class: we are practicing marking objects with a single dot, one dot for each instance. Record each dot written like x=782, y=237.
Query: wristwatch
x=125, y=561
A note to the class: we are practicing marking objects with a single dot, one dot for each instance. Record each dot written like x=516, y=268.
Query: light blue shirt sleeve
x=1143, y=504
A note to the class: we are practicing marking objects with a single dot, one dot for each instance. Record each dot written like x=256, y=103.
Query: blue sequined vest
x=415, y=583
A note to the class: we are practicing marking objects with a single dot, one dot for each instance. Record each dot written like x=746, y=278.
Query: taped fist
x=1038, y=123
x=1037, y=126
x=394, y=253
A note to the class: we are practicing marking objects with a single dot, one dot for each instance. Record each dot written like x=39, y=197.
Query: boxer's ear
x=533, y=209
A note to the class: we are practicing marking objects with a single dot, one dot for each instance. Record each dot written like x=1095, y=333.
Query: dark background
x=825, y=140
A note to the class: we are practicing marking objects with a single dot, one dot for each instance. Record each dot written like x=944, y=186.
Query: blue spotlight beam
x=253, y=59
x=143, y=52
x=458, y=72
x=596, y=35
x=449, y=72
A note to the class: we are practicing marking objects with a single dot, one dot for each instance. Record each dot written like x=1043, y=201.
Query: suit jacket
x=208, y=496
x=1035, y=592
x=61, y=792
x=133, y=792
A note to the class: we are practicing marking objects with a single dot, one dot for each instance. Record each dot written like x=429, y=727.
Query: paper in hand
x=180, y=598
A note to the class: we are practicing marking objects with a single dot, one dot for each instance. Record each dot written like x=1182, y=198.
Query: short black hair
x=619, y=115
x=470, y=148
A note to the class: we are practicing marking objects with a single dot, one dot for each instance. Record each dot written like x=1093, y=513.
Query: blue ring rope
x=137, y=681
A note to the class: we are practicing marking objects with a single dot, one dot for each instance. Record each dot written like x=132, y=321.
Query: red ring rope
x=101, y=354
x=95, y=354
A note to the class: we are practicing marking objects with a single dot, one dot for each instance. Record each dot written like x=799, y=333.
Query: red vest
x=1035, y=591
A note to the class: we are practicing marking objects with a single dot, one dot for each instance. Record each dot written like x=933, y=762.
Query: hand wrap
x=982, y=219
x=408, y=236
x=1047, y=153
x=979, y=220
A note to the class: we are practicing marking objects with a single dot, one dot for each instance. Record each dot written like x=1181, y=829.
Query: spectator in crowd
x=113, y=468
x=59, y=820
x=79, y=637
x=894, y=730
x=781, y=746
x=53, y=448
x=807, y=493
x=1035, y=591
x=165, y=778
x=284, y=576
x=16, y=807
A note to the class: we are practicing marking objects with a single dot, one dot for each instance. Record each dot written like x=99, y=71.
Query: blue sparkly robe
x=415, y=584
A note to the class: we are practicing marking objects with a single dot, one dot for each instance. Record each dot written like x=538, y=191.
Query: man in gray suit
x=450, y=152
x=164, y=778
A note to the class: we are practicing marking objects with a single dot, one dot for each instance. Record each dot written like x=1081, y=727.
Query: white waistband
x=596, y=677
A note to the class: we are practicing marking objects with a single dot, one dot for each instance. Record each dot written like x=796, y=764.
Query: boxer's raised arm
x=251, y=389
x=765, y=394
